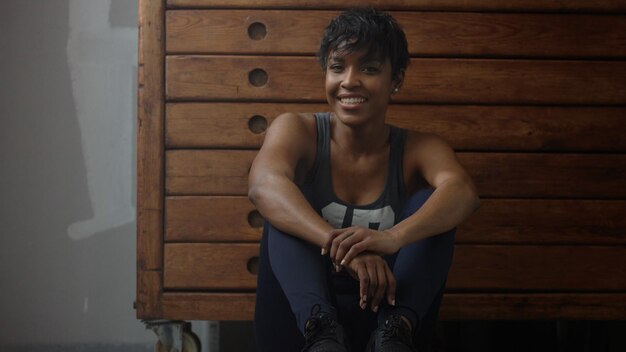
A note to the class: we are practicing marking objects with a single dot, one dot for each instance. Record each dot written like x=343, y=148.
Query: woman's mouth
x=352, y=100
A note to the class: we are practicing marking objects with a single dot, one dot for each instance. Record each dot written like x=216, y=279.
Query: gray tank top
x=381, y=214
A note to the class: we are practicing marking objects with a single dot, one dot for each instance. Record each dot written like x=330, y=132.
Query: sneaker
x=323, y=334
x=394, y=336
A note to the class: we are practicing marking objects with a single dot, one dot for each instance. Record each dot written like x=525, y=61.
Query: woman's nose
x=351, y=79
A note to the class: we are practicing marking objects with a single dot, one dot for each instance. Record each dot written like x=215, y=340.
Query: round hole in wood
x=257, y=31
x=253, y=265
x=257, y=77
x=255, y=219
x=257, y=124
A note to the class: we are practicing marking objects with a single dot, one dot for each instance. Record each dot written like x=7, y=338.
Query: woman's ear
x=397, y=82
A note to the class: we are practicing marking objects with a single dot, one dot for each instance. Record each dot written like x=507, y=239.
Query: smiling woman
x=378, y=202
x=362, y=70
x=528, y=93
x=357, y=85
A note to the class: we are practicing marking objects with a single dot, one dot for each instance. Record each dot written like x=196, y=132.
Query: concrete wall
x=67, y=154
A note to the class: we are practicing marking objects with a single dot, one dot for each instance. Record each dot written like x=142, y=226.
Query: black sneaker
x=394, y=336
x=323, y=334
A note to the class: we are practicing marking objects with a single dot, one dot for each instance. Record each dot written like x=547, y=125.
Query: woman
x=360, y=214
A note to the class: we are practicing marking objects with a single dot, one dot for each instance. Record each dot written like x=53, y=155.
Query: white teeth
x=352, y=100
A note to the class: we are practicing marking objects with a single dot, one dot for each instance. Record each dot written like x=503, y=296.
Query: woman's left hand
x=345, y=244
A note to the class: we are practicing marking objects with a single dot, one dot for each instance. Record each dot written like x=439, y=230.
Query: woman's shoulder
x=295, y=121
x=291, y=127
x=294, y=131
x=422, y=149
x=417, y=139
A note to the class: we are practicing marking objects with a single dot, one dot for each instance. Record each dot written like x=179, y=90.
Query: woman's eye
x=371, y=69
x=336, y=68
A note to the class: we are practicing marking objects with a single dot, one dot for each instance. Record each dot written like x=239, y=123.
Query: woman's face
x=358, y=87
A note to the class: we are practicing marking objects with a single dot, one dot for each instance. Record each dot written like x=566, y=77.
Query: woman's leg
x=274, y=324
x=302, y=272
x=421, y=270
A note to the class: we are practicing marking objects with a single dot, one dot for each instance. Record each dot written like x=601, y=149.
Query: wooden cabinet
x=531, y=95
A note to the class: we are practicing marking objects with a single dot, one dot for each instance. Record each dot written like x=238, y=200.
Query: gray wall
x=67, y=217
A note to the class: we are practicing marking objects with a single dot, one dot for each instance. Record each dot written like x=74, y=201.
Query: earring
x=395, y=90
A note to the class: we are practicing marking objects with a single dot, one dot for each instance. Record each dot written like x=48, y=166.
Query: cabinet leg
x=174, y=336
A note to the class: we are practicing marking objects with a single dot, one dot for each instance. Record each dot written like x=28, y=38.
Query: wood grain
x=516, y=175
x=533, y=306
x=212, y=219
x=465, y=127
x=538, y=268
x=148, y=300
x=150, y=130
x=546, y=222
x=448, y=5
x=497, y=175
x=475, y=268
x=217, y=172
x=210, y=266
x=455, y=306
x=208, y=306
x=428, y=33
x=458, y=81
x=498, y=221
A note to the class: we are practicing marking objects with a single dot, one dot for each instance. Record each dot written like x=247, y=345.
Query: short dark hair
x=366, y=28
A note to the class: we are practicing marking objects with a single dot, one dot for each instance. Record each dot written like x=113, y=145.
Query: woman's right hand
x=375, y=279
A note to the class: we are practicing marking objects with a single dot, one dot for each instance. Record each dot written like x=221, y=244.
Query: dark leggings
x=293, y=277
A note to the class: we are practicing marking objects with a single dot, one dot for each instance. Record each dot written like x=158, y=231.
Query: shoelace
x=394, y=328
x=319, y=327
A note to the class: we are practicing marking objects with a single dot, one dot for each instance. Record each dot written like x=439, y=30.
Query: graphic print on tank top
x=380, y=214
x=340, y=216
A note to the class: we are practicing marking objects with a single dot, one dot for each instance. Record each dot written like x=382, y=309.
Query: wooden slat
x=148, y=303
x=221, y=124
x=499, y=175
x=520, y=221
x=504, y=175
x=498, y=221
x=212, y=219
x=455, y=306
x=218, y=172
x=214, y=266
x=450, y=5
x=208, y=306
x=150, y=127
x=466, y=127
x=428, y=33
x=427, y=80
x=556, y=306
x=476, y=268
x=227, y=31
x=538, y=268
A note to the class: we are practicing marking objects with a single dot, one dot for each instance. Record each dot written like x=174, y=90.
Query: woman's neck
x=368, y=139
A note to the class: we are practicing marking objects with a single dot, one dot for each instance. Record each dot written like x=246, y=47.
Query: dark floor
x=487, y=336
x=536, y=336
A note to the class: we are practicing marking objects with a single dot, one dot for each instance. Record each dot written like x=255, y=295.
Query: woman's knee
x=415, y=201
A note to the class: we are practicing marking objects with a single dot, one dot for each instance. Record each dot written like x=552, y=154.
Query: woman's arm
x=289, y=148
x=455, y=197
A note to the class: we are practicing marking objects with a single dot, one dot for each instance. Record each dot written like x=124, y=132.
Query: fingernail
x=393, y=302
x=323, y=251
x=365, y=299
x=363, y=306
x=375, y=309
x=337, y=268
x=343, y=262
